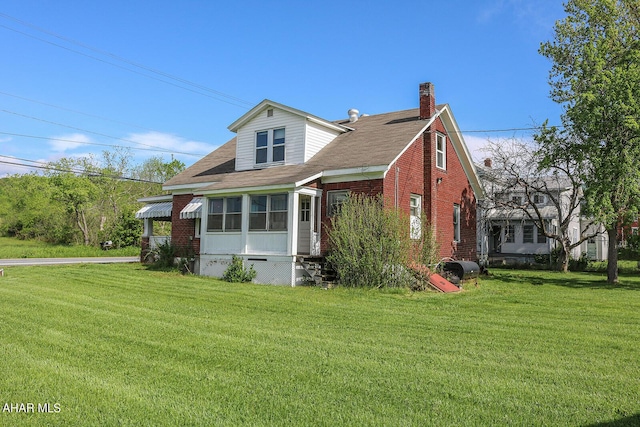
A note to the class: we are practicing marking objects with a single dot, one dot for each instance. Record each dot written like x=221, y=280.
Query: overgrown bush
x=163, y=256
x=237, y=273
x=371, y=246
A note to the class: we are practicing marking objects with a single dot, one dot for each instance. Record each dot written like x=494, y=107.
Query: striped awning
x=155, y=210
x=193, y=209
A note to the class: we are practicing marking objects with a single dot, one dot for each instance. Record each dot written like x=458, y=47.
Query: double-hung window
x=415, y=209
x=269, y=212
x=225, y=214
x=527, y=233
x=509, y=234
x=441, y=151
x=334, y=200
x=270, y=146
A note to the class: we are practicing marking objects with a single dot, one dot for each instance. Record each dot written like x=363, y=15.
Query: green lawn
x=15, y=248
x=121, y=345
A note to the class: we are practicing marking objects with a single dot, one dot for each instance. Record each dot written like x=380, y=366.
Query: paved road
x=55, y=261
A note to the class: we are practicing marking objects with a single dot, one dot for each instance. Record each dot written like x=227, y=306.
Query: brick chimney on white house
x=427, y=101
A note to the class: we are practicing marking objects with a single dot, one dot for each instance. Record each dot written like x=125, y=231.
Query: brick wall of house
x=443, y=189
x=405, y=177
x=183, y=230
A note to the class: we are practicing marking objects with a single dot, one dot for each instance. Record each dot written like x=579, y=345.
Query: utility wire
x=48, y=166
x=216, y=95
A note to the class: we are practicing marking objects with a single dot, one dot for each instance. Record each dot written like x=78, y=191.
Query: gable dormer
x=272, y=134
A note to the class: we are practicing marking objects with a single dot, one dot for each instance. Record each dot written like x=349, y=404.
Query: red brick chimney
x=427, y=101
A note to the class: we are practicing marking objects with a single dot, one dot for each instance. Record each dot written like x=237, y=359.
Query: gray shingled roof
x=375, y=141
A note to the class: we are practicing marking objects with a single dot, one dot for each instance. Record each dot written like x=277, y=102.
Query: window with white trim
x=509, y=234
x=527, y=233
x=270, y=146
x=268, y=212
x=441, y=151
x=456, y=222
x=334, y=200
x=225, y=214
x=539, y=199
x=415, y=209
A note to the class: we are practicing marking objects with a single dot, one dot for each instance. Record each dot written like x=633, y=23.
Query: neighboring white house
x=507, y=233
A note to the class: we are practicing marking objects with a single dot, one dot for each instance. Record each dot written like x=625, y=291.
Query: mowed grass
x=121, y=345
x=16, y=248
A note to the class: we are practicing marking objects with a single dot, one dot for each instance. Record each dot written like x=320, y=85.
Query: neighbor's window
x=527, y=233
x=539, y=199
x=334, y=200
x=456, y=223
x=509, y=234
x=269, y=213
x=225, y=214
x=270, y=146
x=541, y=237
x=441, y=151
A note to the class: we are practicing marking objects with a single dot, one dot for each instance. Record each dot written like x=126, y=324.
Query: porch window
x=225, y=214
x=441, y=151
x=270, y=146
x=456, y=223
x=527, y=233
x=269, y=212
x=334, y=200
x=541, y=237
x=509, y=234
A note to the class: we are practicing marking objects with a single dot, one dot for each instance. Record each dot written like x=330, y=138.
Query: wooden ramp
x=434, y=280
x=442, y=284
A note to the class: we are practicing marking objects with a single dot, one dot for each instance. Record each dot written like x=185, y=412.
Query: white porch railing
x=155, y=241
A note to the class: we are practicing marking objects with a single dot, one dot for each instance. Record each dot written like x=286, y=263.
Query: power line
x=212, y=93
x=48, y=166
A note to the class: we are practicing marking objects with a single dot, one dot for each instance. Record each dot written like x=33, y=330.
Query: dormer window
x=270, y=146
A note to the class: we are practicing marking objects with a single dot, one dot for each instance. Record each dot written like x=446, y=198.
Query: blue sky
x=78, y=77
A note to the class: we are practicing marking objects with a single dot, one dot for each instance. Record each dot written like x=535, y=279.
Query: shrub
x=371, y=246
x=236, y=272
x=163, y=256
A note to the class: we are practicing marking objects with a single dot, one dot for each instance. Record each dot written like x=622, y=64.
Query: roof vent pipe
x=353, y=115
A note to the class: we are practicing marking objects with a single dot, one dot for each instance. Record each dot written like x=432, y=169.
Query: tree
x=534, y=173
x=596, y=76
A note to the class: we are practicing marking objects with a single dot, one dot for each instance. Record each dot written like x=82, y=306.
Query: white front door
x=304, y=225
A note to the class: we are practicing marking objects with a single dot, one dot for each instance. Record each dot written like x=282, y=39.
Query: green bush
x=163, y=256
x=236, y=272
x=371, y=246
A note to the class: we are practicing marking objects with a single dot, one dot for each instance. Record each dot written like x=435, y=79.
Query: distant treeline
x=82, y=200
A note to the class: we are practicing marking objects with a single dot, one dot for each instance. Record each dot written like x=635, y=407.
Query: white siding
x=221, y=243
x=317, y=138
x=294, y=137
x=268, y=242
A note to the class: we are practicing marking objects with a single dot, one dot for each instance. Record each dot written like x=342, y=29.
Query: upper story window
x=270, y=146
x=225, y=214
x=441, y=151
x=539, y=199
